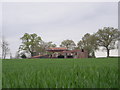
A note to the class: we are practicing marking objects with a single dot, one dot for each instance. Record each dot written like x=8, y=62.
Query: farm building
x=60, y=52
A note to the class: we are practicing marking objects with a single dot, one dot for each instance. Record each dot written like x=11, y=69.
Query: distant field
x=60, y=73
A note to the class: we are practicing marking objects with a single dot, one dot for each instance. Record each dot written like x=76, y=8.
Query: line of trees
x=33, y=44
x=105, y=38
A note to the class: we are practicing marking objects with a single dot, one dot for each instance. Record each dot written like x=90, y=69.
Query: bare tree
x=17, y=55
x=5, y=49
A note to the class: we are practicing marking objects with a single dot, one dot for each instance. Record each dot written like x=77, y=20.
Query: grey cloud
x=56, y=21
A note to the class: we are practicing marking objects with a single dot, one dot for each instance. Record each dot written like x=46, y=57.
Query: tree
x=30, y=42
x=5, y=48
x=88, y=43
x=17, y=55
x=69, y=44
x=10, y=55
x=107, y=37
x=44, y=45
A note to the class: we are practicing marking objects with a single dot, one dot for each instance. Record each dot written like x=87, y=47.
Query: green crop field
x=60, y=73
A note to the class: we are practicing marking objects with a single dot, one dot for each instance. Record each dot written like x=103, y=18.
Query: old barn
x=60, y=52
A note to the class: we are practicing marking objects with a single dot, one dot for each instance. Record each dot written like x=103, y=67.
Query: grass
x=0, y=74
x=60, y=73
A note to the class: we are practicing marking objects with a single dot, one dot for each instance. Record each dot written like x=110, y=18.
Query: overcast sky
x=56, y=21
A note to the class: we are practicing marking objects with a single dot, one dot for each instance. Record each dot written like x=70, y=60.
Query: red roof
x=58, y=48
x=72, y=51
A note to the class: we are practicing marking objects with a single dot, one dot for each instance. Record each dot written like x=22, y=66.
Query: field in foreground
x=60, y=73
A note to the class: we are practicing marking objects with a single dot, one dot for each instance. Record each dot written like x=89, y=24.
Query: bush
x=23, y=56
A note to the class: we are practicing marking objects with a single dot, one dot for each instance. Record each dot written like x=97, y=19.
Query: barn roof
x=57, y=48
x=71, y=51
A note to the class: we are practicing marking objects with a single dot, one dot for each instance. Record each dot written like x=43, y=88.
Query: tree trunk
x=108, y=52
x=32, y=54
x=93, y=54
x=4, y=55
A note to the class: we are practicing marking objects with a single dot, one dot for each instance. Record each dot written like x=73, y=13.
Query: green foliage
x=69, y=44
x=33, y=44
x=60, y=73
x=89, y=43
x=30, y=42
x=107, y=37
x=44, y=46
